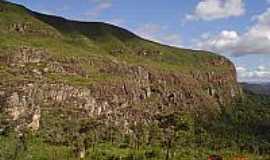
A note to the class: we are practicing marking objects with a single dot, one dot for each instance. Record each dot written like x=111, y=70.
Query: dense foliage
x=241, y=130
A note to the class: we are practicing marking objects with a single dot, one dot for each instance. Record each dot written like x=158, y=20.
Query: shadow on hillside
x=92, y=30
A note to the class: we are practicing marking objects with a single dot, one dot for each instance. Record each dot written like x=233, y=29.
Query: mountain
x=257, y=88
x=60, y=78
x=103, y=68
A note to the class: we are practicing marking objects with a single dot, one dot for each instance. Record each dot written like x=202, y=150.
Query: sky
x=236, y=29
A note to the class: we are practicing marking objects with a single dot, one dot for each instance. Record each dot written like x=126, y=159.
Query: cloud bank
x=256, y=40
x=261, y=73
x=217, y=9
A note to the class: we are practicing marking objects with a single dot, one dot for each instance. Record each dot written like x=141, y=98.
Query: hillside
x=43, y=54
x=76, y=85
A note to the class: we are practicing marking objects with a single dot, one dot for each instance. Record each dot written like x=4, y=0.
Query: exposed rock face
x=142, y=94
x=21, y=28
x=34, y=125
x=70, y=71
x=16, y=106
x=2, y=9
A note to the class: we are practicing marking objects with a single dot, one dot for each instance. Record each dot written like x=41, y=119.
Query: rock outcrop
x=142, y=94
x=53, y=69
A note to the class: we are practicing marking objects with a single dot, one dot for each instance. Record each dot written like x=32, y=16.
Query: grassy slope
x=65, y=38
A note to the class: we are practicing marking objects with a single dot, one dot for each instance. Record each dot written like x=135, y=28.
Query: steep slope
x=55, y=70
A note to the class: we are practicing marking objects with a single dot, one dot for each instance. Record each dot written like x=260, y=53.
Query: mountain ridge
x=56, y=51
x=61, y=76
x=257, y=88
x=96, y=25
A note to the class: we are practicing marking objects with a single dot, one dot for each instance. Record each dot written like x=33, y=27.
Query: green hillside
x=20, y=26
x=71, y=89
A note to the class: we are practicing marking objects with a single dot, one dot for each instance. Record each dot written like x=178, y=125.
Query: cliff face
x=33, y=86
x=55, y=70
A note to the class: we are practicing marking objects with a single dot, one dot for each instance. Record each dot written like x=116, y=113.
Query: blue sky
x=237, y=29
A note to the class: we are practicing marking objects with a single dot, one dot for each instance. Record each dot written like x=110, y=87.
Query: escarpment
x=34, y=84
x=54, y=70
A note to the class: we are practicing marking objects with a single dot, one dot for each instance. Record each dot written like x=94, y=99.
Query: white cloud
x=254, y=41
x=148, y=30
x=101, y=5
x=261, y=73
x=171, y=39
x=224, y=41
x=217, y=9
x=159, y=34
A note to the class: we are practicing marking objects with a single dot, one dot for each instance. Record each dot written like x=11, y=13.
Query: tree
x=138, y=132
x=175, y=127
x=81, y=135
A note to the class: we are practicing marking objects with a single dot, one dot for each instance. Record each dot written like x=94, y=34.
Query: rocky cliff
x=54, y=70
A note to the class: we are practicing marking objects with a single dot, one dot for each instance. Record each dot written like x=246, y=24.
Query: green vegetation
x=63, y=38
x=241, y=131
x=89, y=54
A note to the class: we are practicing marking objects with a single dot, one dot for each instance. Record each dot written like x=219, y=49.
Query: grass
x=38, y=150
x=35, y=150
x=69, y=38
x=76, y=80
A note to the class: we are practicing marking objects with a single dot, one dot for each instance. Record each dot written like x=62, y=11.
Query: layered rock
x=133, y=93
x=55, y=70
